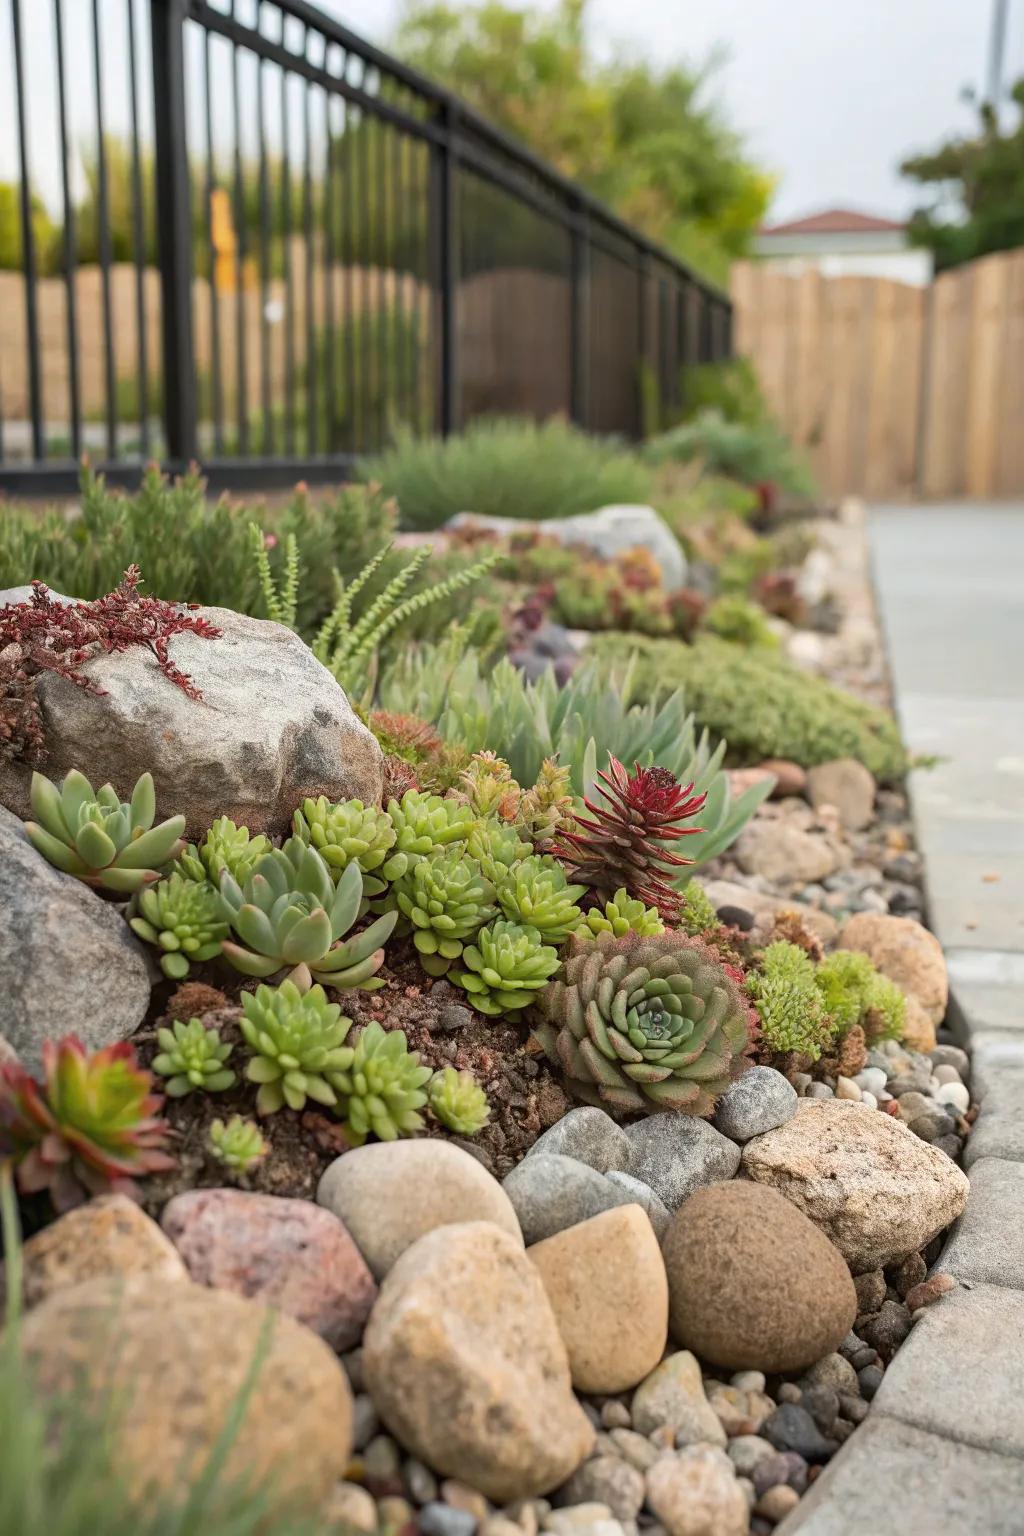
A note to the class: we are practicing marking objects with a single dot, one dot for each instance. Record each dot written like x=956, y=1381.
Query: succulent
x=192, y=1056
x=427, y=823
x=101, y=839
x=447, y=901
x=496, y=846
x=537, y=894
x=885, y=1010
x=854, y=992
x=505, y=968
x=225, y=846
x=299, y=1042
x=458, y=1101
x=487, y=786
x=90, y=1127
x=619, y=916
x=383, y=1086
x=290, y=913
x=238, y=1144
x=785, y=993
x=186, y=919
x=623, y=844
x=546, y=809
x=645, y=1024
x=697, y=913
x=352, y=832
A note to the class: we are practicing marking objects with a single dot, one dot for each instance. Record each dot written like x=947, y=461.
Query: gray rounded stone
x=676, y=1154
x=643, y=1194
x=590, y=1136
x=550, y=1192
x=758, y=1101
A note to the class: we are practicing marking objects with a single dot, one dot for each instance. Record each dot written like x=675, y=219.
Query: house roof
x=835, y=221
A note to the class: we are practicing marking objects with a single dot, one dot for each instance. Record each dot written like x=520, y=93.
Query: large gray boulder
x=273, y=726
x=68, y=961
x=610, y=531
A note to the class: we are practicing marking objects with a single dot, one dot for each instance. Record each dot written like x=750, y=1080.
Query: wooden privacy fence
x=890, y=390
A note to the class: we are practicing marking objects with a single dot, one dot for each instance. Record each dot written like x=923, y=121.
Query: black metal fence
x=236, y=233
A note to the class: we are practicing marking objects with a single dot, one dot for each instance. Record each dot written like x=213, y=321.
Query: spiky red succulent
x=90, y=1127
x=624, y=842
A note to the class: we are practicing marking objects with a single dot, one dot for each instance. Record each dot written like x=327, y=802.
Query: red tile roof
x=834, y=221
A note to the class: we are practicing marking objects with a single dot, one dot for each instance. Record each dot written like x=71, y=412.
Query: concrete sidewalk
x=942, y=1452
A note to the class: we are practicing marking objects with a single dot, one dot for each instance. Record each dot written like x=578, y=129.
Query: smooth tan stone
x=107, y=1236
x=906, y=952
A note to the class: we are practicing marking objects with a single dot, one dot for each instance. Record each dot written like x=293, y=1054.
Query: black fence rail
x=234, y=232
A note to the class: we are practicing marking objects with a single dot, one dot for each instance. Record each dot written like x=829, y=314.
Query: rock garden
x=473, y=1057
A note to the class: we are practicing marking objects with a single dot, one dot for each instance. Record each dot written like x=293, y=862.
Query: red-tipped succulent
x=624, y=842
x=90, y=1127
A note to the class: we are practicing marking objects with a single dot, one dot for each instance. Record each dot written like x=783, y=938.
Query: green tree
x=977, y=184
x=642, y=138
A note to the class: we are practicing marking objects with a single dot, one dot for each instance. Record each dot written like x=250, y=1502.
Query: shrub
x=755, y=454
x=507, y=468
x=761, y=705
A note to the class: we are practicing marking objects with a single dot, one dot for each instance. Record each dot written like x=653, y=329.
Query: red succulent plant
x=624, y=842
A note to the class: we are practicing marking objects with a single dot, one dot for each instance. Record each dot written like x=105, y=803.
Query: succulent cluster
x=785, y=992
x=193, y=1057
x=383, y=1086
x=351, y=832
x=185, y=918
x=854, y=992
x=237, y=1144
x=91, y=1126
x=645, y=1024
x=103, y=840
x=696, y=913
x=505, y=969
x=536, y=894
x=618, y=916
x=298, y=1042
x=225, y=846
x=427, y=823
x=458, y=1101
x=446, y=900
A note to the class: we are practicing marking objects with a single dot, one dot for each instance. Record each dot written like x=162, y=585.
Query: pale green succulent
x=697, y=913
x=225, y=846
x=383, y=1086
x=506, y=968
x=193, y=1057
x=446, y=900
x=497, y=846
x=187, y=920
x=291, y=914
x=239, y=1144
x=536, y=893
x=299, y=1042
x=427, y=823
x=351, y=832
x=458, y=1101
x=622, y=914
x=102, y=840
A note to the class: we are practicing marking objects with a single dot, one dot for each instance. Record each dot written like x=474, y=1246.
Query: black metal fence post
x=174, y=228
x=444, y=211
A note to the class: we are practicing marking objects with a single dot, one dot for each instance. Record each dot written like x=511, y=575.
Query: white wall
x=908, y=266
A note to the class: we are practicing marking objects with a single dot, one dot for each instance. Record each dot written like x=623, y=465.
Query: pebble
x=846, y=1088
x=870, y=1288
x=822, y=1403
x=946, y=1074
x=551, y=1192
x=789, y=1392
x=672, y=1397
x=776, y=1503
x=819, y=1091
x=642, y=1195
x=748, y=1381
x=445, y=1520
x=365, y=1422
x=951, y=1056
x=382, y=1464
x=871, y=1080
x=833, y=1371
x=956, y=1095
x=461, y=1496
x=352, y=1509
x=853, y=1408
x=758, y=1101
x=697, y=1496
x=910, y=1273
x=637, y=1449
x=870, y=1379
x=929, y=1291
x=747, y=1452
x=791, y=1428
x=676, y=1154
x=606, y=1480
x=420, y=1482
x=887, y=1329
x=615, y=1415
x=868, y=1099
x=394, y=1513
x=596, y=1519
x=590, y=1136
x=784, y=1467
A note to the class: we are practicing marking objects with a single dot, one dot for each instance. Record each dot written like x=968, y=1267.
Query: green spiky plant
x=697, y=913
x=618, y=916
x=351, y=832
x=298, y=1041
x=91, y=1126
x=187, y=920
x=536, y=894
x=547, y=808
x=97, y=837
x=854, y=992
x=446, y=900
x=237, y=1144
x=505, y=968
x=785, y=992
x=458, y=1101
x=225, y=846
x=383, y=1086
x=193, y=1058
x=290, y=913
x=487, y=786
x=645, y=1024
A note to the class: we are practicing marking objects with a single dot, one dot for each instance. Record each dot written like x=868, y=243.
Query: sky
x=831, y=94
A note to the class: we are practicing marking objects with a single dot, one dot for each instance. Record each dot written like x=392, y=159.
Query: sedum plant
x=505, y=968
x=225, y=846
x=785, y=992
x=186, y=919
x=291, y=914
x=447, y=900
x=854, y=992
x=351, y=832
x=536, y=894
x=696, y=912
x=91, y=1126
x=383, y=1086
x=298, y=1040
x=487, y=786
x=193, y=1057
x=97, y=837
x=619, y=916
x=645, y=1024
x=497, y=848
x=547, y=807
x=458, y=1101
x=237, y=1144
x=427, y=823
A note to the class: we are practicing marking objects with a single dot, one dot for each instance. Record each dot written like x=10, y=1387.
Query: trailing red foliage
x=44, y=635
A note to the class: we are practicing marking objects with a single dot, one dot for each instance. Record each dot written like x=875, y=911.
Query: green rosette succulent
x=185, y=919
x=505, y=968
x=237, y=1144
x=446, y=900
x=225, y=846
x=427, y=823
x=645, y=1024
x=193, y=1057
x=383, y=1086
x=497, y=847
x=351, y=832
x=290, y=913
x=537, y=894
x=102, y=840
x=298, y=1038
x=784, y=989
x=619, y=916
x=458, y=1101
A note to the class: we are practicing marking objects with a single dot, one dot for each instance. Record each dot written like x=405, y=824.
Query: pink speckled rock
x=290, y=1254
